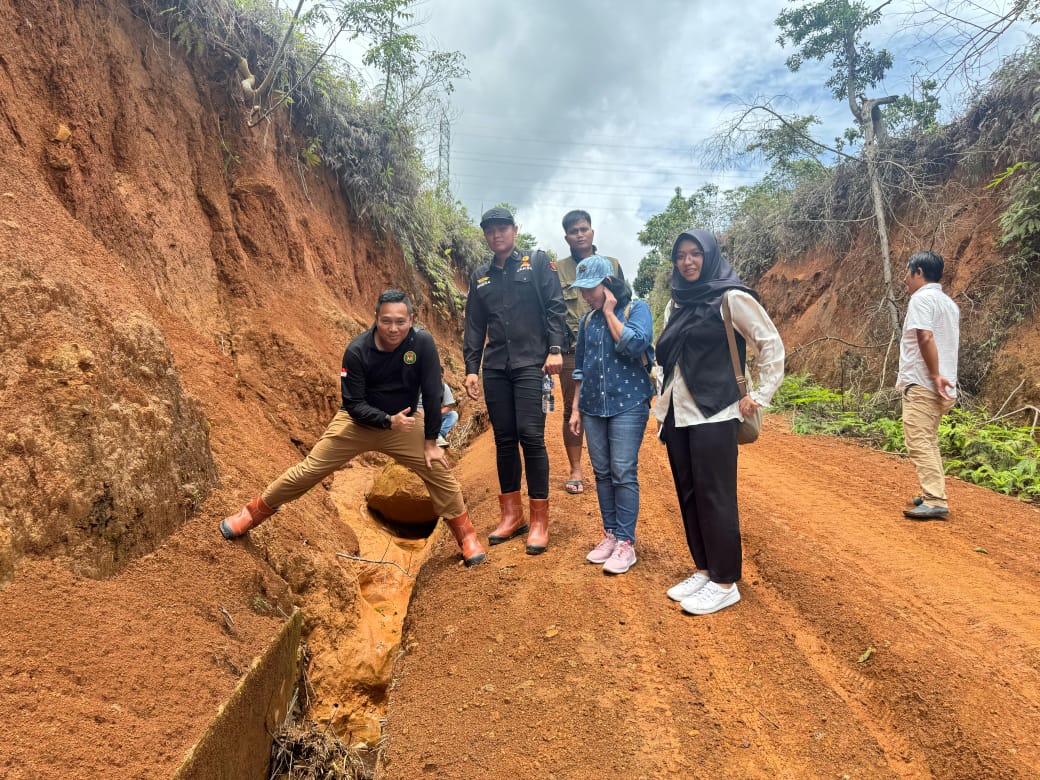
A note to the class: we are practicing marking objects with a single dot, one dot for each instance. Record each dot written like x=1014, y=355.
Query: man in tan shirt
x=578, y=233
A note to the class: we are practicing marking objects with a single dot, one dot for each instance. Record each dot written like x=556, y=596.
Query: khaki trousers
x=344, y=439
x=922, y=412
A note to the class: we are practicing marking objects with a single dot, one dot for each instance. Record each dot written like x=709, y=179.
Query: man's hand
x=930, y=355
x=575, y=422
x=434, y=454
x=401, y=421
x=553, y=364
x=943, y=386
x=473, y=386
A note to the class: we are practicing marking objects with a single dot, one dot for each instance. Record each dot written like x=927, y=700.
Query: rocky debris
x=399, y=496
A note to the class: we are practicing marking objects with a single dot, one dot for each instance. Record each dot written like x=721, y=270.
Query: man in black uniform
x=384, y=369
x=515, y=303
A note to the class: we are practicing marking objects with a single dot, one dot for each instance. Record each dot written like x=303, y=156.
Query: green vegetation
x=275, y=60
x=444, y=241
x=976, y=449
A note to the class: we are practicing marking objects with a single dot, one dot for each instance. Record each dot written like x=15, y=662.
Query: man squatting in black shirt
x=516, y=304
x=384, y=370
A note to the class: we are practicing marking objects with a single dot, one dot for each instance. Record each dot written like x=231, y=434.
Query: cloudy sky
x=601, y=105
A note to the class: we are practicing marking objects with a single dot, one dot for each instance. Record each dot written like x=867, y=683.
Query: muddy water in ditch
x=365, y=659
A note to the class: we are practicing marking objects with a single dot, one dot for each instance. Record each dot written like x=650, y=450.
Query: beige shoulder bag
x=750, y=425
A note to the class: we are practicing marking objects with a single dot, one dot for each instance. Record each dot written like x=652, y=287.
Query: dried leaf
x=982, y=550
x=866, y=655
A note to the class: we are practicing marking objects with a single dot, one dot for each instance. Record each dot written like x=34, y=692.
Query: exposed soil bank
x=175, y=297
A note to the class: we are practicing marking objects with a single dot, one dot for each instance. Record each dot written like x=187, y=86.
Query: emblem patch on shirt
x=552, y=264
x=484, y=280
x=525, y=262
x=343, y=373
x=409, y=357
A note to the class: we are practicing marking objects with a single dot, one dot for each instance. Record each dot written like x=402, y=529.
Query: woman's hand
x=609, y=301
x=748, y=405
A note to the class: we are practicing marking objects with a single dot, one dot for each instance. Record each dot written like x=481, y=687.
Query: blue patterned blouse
x=613, y=377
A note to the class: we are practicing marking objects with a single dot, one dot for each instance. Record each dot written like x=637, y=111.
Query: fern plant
x=997, y=456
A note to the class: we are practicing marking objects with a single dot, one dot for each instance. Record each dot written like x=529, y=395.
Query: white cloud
x=599, y=106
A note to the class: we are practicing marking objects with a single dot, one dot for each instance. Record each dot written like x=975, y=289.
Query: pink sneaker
x=602, y=551
x=621, y=560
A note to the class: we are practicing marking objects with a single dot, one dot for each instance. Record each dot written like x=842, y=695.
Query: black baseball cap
x=497, y=214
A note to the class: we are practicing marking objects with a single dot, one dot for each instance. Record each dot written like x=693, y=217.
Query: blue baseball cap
x=592, y=271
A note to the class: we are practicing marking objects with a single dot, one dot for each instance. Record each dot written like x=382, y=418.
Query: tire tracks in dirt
x=552, y=670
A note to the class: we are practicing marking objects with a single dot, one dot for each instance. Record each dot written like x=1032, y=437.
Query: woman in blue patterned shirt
x=612, y=402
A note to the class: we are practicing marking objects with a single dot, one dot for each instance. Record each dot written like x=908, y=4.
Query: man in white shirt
x=449, y=417
x=927, y=378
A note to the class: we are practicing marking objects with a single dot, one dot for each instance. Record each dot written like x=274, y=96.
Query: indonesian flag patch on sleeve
x=343, y=373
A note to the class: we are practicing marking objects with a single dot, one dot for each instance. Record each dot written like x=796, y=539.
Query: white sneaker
x=710, y=598
x=442, y=442
x=688, y=587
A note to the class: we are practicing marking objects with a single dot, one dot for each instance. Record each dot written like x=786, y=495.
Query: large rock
x=399, y=496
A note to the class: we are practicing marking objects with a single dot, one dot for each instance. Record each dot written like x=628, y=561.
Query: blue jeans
x=448, y=420
x=613, y=444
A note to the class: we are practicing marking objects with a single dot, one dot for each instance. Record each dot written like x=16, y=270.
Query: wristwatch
x=554, y=350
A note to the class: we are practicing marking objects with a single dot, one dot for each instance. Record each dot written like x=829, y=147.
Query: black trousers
x=704, y=466
x=514, y=402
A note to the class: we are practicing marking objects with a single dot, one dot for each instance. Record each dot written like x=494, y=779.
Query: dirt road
x=542, y=667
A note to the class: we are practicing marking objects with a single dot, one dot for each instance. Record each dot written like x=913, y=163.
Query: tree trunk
x=870, y=121
x=879, y=215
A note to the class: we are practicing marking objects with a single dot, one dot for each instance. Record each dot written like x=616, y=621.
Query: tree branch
x=265, y=85
x=808, y=344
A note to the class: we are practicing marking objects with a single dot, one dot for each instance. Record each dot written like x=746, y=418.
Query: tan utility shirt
x=567, y=270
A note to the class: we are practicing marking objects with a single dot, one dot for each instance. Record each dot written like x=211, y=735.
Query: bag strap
x=731, y=338
x=537, y=282
x=529, y=256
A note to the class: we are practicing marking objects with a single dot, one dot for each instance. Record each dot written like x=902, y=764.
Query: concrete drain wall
x=237, y=744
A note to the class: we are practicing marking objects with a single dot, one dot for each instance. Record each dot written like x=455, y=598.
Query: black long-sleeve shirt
x=518, y=309
x=377, y=384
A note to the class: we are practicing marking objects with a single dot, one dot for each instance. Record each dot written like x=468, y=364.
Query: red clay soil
x=542, y=667
x=118, y=678
x=174, y=300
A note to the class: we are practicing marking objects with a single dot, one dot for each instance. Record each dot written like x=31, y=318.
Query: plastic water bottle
x=548, y=401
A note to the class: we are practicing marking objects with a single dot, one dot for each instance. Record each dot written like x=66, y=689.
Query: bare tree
x=966, y=32
x=834, y=28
